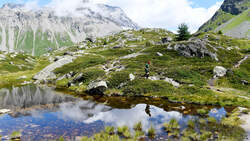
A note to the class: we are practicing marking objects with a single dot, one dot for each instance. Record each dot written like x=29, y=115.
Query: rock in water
x=4, y=111
x=219, y=71
x=97, y=87
x=47, y=73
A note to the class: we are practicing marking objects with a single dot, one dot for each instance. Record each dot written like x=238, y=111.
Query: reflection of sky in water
x=78, y=117
x=218, y=113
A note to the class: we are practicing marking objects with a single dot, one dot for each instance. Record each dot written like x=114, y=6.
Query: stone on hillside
x=23, y=77
x=171, y=81
x=78, y=78
x=166, y=40
x=194, y=48
x=97, y=87
x=154, y=78
x=244, y=82
x=47, y=73
x=242, y=109
x=219, y=71
x=159, y=54
x=131, y=77
x=91, y=39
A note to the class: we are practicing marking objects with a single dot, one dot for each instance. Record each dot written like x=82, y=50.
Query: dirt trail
x=241, y=61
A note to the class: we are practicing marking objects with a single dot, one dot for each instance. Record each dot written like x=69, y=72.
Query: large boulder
x=166, y=40
x=97, y=87
x=219, y=71
x=193, y=48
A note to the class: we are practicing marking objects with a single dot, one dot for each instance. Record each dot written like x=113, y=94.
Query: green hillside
x=231, y=14
x=114, y=58
x=245, y=16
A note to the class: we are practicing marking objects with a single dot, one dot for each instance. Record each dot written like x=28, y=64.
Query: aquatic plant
x=61, y=139
x=205, y=135
x=124, y=130
x=110, y=130
x=171, y=125
x=202, y=112
x=211, y=120
x=191, y=124
x=202, y=121
x=151, y=132
x=138, y=133
x=138, y=126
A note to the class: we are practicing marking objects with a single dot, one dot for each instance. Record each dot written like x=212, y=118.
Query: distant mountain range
x=37, y=31
x=233, y=19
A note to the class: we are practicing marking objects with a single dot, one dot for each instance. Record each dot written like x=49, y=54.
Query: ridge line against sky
x=147, y=13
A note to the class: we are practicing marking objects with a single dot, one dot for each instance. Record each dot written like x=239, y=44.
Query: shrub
x=117, y=78
x=220, y=32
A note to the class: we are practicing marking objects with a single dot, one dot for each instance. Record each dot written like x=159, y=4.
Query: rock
x=171, y=81
x=91, y=39
x=241, y=109
x=4, y=111
x=97, y=87
x=159, y=54
x=244, y=82
x=131, y=77
x=22, y=77
x=166, y=40
x=47, y=73
x=194, y=48
x=154, y=78
x=78, y=78
x=219, y=71
x=68, y=53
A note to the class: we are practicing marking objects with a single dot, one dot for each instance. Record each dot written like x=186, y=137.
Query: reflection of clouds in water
x=89, y=112
x=81, y=110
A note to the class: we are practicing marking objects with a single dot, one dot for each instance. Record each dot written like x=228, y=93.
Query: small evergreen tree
x=220, y=32
x=183, y=33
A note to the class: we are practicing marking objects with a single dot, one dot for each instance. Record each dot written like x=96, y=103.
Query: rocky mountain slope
x=233, y=19
x=43, y=30
x=207, y=69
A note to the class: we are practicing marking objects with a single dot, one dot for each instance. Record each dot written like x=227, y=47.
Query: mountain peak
x=12, y=5
x=36, y=30
x=235, y=7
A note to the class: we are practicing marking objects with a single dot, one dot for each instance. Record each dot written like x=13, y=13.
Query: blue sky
x=152, y=13
x=196, y=3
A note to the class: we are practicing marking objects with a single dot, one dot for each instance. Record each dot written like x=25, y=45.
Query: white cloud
x=32, y=5
x=165, y=13
x=149, y=13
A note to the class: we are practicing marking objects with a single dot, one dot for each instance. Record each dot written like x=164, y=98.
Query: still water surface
x=41, y=113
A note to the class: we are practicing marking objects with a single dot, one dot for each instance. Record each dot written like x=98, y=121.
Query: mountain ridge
x=38, y=31
x=228, y=14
